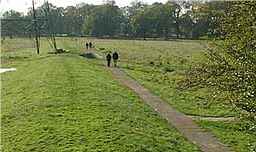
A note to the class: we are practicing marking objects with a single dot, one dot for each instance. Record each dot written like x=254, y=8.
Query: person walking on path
x=90, y=45
x=108, y=57
x=87, y=46
x=115, y=58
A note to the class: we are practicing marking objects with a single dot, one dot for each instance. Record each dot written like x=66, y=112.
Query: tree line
x=178, y=19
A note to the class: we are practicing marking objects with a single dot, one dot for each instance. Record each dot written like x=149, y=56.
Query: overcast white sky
x=23, y=5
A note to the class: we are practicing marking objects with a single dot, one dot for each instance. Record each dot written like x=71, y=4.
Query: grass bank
x=65, y=103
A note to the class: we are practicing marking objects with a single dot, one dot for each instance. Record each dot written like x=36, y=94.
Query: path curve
x=185, y=124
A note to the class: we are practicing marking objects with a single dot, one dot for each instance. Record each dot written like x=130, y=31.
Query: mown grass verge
x=65, y=103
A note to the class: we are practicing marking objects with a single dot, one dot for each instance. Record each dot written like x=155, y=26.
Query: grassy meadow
x=67, y=103
x=160, y=65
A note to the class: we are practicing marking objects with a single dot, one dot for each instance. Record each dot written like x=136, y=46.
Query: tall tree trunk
x=178, y=23
x=144, y=35
x=35, y=27
x=166, y=33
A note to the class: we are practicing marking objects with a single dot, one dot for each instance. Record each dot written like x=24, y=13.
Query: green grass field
x=237, y=134
x=160, y=65
x=67, y=103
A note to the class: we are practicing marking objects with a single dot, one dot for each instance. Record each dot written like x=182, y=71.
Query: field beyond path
x=205, y=140
x=66, y=102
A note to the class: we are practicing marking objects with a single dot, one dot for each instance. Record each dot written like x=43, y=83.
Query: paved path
x=205, y=140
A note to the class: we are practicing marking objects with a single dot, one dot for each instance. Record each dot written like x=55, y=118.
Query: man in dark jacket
x=115, y=58
x=90, y=45
x=108, y=57
x=87, y=46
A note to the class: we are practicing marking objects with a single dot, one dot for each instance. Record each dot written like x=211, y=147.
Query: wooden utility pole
x=35, y=27
x=50, y=27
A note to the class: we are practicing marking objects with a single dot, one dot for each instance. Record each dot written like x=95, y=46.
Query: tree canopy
x=181, y=19
x=231, y=65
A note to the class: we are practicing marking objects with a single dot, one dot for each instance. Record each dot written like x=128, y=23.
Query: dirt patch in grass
x=91, y=55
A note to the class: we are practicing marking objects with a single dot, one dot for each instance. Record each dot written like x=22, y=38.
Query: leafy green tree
x=129, y=13
x=177, y=15
x=162, y=18
x=125, y=26
x=142, y=23
x=154, y=20
x=231, y=66
x=136, y=6
x=104, y=21
x=206, y=17
x=186, y=24
x=13, y=24
x=73, y=21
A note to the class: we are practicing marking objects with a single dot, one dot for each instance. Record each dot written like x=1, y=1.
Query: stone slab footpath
x=185, y=124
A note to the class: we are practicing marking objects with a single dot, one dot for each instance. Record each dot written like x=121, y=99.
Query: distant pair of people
x=115, y=57
x=88, y=45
